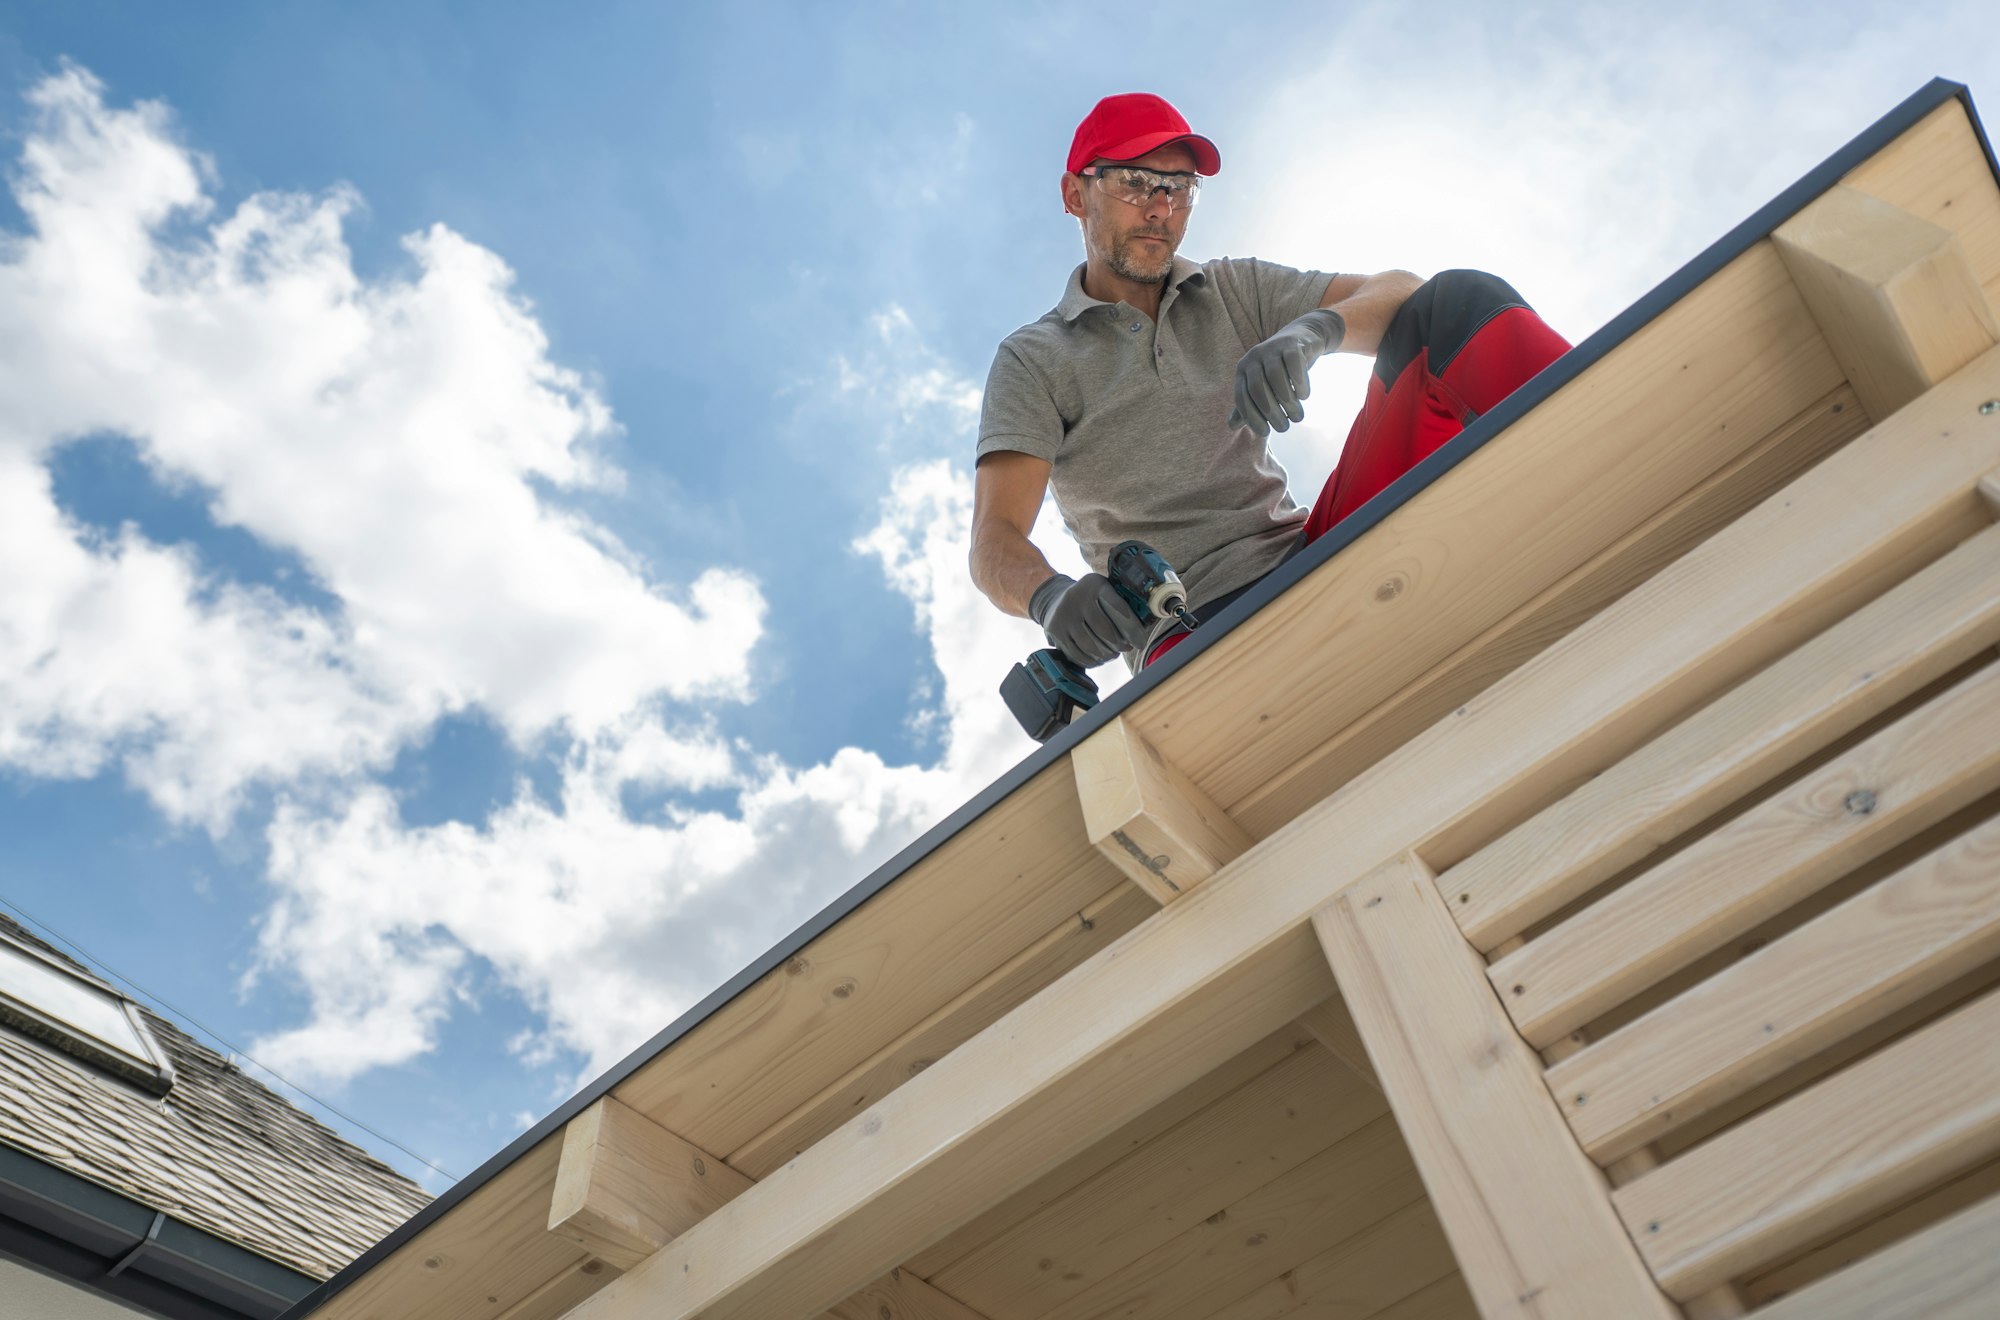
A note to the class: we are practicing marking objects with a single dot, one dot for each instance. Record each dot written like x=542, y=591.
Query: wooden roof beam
x=1894, y=294
x=627, y=1186
x=1175, y=996
x=1157, y=826
x=1150, y=819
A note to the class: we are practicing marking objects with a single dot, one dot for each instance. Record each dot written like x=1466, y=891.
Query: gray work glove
x=1087, y=621
x=1271, y=378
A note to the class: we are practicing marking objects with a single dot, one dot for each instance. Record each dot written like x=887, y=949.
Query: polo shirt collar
x=1075, y=302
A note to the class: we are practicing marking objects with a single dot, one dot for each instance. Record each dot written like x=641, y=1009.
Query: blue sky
x=447, y=671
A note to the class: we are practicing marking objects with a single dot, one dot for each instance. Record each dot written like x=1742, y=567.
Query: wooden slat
x=1919, y=770
x=1527, y=1215
x=1950, y=1271
x=1084, y=934
x=1912, y=933
x=1148, y=817
x=1897, y=298
x=1863, y=665
x=1282, y=1118
x=1557, y=610
x=1913, y=1216
x=626, y=1185
x=1328, y=1199
x=1855, y=1143
x=557, y=1295
x=1164, y=1003
x=1705, y=380
x=1377, y=1267
x=981, y=898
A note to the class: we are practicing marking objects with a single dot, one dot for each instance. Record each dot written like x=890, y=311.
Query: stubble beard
x=1138, y=264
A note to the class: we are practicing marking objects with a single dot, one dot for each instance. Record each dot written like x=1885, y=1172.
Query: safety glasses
x=1129, y=183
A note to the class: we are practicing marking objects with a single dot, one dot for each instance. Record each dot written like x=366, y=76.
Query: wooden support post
x=1528, y=1215
x=1894, y=294
x=1148, y=817
x=626, y=1187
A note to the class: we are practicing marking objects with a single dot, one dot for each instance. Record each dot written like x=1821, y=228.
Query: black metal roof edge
x=1565, y=369
x=71, y=1212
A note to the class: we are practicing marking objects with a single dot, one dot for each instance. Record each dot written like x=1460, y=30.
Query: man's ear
x=1072, y=195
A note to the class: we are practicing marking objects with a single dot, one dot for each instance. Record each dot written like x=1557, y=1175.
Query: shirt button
x=1135, y=327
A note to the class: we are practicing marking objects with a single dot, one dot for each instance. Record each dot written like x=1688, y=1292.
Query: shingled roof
x=220, y=1152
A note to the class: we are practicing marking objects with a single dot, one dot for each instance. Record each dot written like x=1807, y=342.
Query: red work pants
x=1460, y=344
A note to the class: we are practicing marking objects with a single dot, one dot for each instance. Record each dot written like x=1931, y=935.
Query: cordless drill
x=1048, y=689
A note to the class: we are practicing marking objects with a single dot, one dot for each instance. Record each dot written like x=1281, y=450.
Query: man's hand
x=1271, y=379
x=1087, y=621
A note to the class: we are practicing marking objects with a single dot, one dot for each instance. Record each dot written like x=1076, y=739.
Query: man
x=1147, y=396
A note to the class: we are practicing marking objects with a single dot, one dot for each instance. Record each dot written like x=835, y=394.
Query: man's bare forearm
x=1007, y=567
x=1367, y=306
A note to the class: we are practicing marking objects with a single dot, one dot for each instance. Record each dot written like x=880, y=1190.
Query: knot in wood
x=1391, y=588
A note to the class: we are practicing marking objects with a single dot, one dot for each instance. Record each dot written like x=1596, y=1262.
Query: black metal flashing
x=1565, y=369
x=66, y=1226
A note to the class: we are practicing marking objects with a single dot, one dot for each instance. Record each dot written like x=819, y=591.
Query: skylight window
x=80, y=1016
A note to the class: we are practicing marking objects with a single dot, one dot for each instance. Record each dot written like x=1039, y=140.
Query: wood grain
x=1528, y=1216
x=1894, y=1123
x=1919, y=770
x=1912, y=933
x=1863, y=665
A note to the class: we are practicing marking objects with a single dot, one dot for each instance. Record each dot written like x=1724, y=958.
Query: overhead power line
x=86, y=957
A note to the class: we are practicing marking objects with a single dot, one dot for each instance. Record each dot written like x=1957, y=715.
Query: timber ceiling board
x=1690, y=403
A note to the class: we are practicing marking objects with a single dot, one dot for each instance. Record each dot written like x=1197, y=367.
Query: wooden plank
x=1328, y=1199
x=1158, y=1007
x=1148, y=817
x=981, y=898
x=1916, y=931
x=1271, y=1052
x=493, y=1253
x=1358, y=1276
x=1716, y=501
x=1899, y=302
x=558, y=1294
x=1216, y=1157
x=1688, y=393
x=1938, y=171
x=1950, y=1271
x=1333, y=1026
x=1861, y=666
x=1919, y=770
x=1808, y=1267
x=626, y=1185
x=1527, y=1214
x=1084, y=934
x=902, y=1296
x=1855, y=1143
x=1447, y=1299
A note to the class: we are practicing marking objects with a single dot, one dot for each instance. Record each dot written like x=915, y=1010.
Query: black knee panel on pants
x=1443, y=315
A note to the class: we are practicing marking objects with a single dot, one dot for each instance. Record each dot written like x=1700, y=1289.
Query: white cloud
x=1581, y=151
x=392, y=434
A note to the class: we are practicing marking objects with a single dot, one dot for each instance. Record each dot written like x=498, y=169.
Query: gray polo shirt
x=1132, y=416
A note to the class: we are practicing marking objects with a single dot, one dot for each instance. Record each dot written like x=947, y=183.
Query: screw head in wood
x=1988, y=408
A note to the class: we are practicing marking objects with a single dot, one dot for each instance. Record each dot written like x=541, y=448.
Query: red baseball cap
x=1127, y=126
